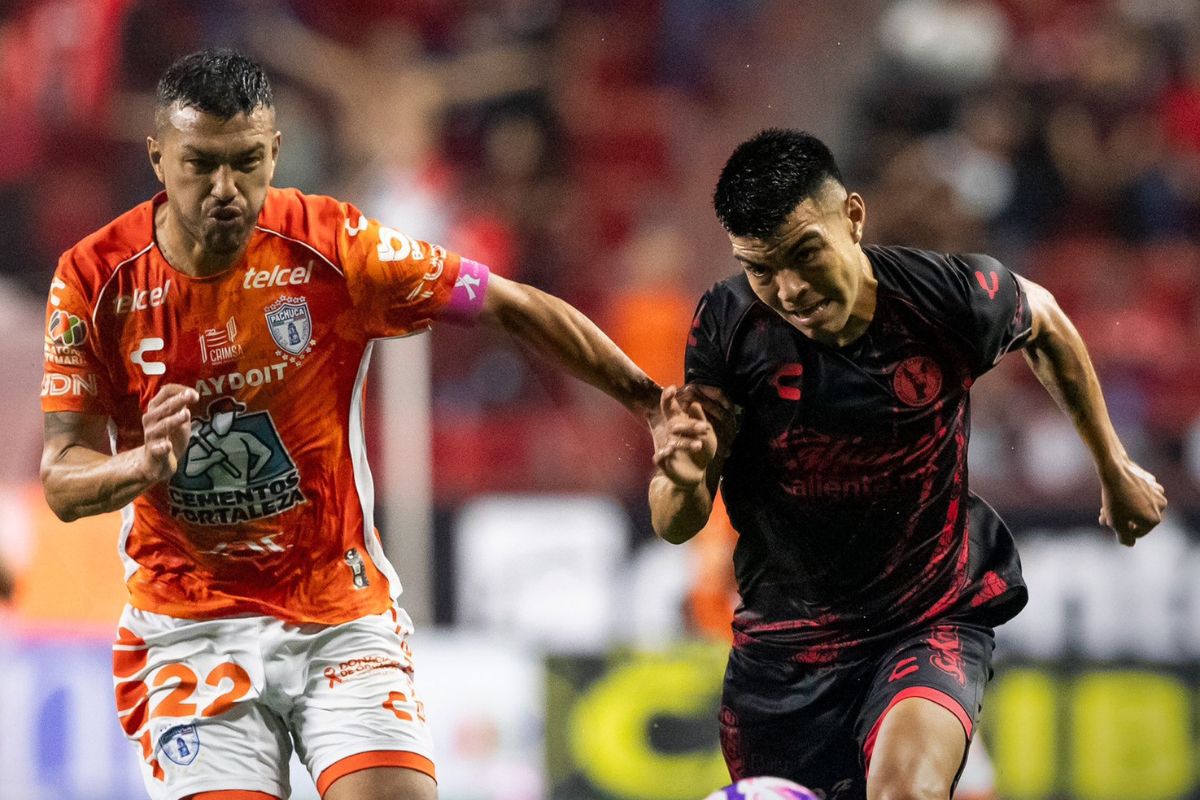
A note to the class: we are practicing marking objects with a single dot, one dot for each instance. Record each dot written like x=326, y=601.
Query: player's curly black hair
x=218, y=82
x=767, y=176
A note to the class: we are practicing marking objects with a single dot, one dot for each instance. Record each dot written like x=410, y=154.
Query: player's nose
x=224, y=186
x=790, y=287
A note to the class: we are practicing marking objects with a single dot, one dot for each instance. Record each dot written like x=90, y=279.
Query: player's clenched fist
x=1132, y=502
x=166, y=426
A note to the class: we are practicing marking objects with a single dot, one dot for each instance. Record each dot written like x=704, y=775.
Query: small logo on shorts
x=358, y=666
x=181, y=744
x=947, y=652
x=904, y=668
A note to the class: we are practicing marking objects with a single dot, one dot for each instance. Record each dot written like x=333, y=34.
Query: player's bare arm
x=561, y=332
x=690, y=449
x=1132, y=500
x=80, y=476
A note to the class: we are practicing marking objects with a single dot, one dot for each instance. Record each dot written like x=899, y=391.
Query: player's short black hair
x=767, y=176
x=218, y=82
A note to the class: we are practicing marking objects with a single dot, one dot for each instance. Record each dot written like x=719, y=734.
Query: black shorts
x=816, y=724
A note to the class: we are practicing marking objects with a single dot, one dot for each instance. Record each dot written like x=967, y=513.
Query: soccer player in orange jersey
x=204, y=365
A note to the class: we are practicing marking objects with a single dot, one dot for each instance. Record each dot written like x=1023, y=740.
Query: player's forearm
x=559, y=331
x=678, y=513
x=1060, y=360
x=80, y=482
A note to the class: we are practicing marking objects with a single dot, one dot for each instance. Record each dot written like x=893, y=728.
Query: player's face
x=811, y=269
x=216, y=172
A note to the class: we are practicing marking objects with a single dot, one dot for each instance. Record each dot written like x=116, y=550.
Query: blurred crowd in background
x=573, y=144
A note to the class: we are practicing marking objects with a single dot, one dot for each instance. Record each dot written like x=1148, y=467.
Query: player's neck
x=863, y=310
x=184, y=252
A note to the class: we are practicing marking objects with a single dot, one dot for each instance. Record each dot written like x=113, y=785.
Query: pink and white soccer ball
x=764, y=789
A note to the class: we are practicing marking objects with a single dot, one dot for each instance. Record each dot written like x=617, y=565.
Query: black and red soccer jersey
x=847, y=479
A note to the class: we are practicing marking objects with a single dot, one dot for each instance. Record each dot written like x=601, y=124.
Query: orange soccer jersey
x=270, y=511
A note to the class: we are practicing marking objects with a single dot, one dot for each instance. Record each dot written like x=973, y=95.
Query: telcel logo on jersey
x=141, y=299
x=277, y=276
x=236, y=469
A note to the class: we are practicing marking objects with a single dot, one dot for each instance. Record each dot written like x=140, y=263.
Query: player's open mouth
x=810, y=311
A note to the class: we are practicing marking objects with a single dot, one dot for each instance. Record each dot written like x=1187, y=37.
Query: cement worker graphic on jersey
x=235, y=469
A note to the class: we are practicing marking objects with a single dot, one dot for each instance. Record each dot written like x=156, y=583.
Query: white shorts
x=219, y=704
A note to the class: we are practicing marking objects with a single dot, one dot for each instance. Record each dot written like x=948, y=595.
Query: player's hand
x=1132, y=502
x=684, y=441
x=718, y=410
x=166, y=426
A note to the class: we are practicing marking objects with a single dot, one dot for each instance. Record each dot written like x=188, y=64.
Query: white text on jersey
x=277, y=276
x=232, y=381
x=141, y=299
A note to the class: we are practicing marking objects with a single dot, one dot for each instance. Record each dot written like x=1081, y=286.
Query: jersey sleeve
x=398, y=284
x=992, y=307
x=74, y=376
x=704, y=358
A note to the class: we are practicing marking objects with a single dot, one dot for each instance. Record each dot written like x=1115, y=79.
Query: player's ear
x=856, y=212
x=275, y=142
x=154, y=150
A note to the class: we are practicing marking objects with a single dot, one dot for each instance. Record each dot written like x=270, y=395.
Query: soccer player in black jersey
x=827, y=395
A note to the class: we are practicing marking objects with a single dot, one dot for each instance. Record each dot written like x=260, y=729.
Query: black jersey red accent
x=847, y=479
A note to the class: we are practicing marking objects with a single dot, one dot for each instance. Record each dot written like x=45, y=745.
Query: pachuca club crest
x=290, y=324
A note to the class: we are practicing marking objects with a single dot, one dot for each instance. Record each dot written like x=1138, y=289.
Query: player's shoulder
x=293, y=213
x=727, y=302
x=312, y=219
x=927, y=277
x=94, y=258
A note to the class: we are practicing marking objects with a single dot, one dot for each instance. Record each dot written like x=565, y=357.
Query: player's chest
x=899, y=374
x=254, y=328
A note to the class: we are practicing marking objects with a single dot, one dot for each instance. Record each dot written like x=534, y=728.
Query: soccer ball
x=763, y=789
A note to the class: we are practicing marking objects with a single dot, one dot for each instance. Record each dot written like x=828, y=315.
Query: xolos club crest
x=290, y=324
x=917, y=381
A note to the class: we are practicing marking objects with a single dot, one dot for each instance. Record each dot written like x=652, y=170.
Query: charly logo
x=917, y=381
x=291, y=327
x=181, y=744
x=235, y=469
x=66, y=330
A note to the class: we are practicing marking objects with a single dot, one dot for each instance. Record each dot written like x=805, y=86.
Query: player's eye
x=807, y=254
x=200, y=164
x=756, y=270
x=249, y=165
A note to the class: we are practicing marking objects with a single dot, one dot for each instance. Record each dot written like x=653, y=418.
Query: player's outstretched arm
x=688, y=457
x=80, y=477
x=1132, y=500
x=562, y=333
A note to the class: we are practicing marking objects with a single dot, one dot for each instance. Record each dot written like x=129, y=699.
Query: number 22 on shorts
x=178, y=702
